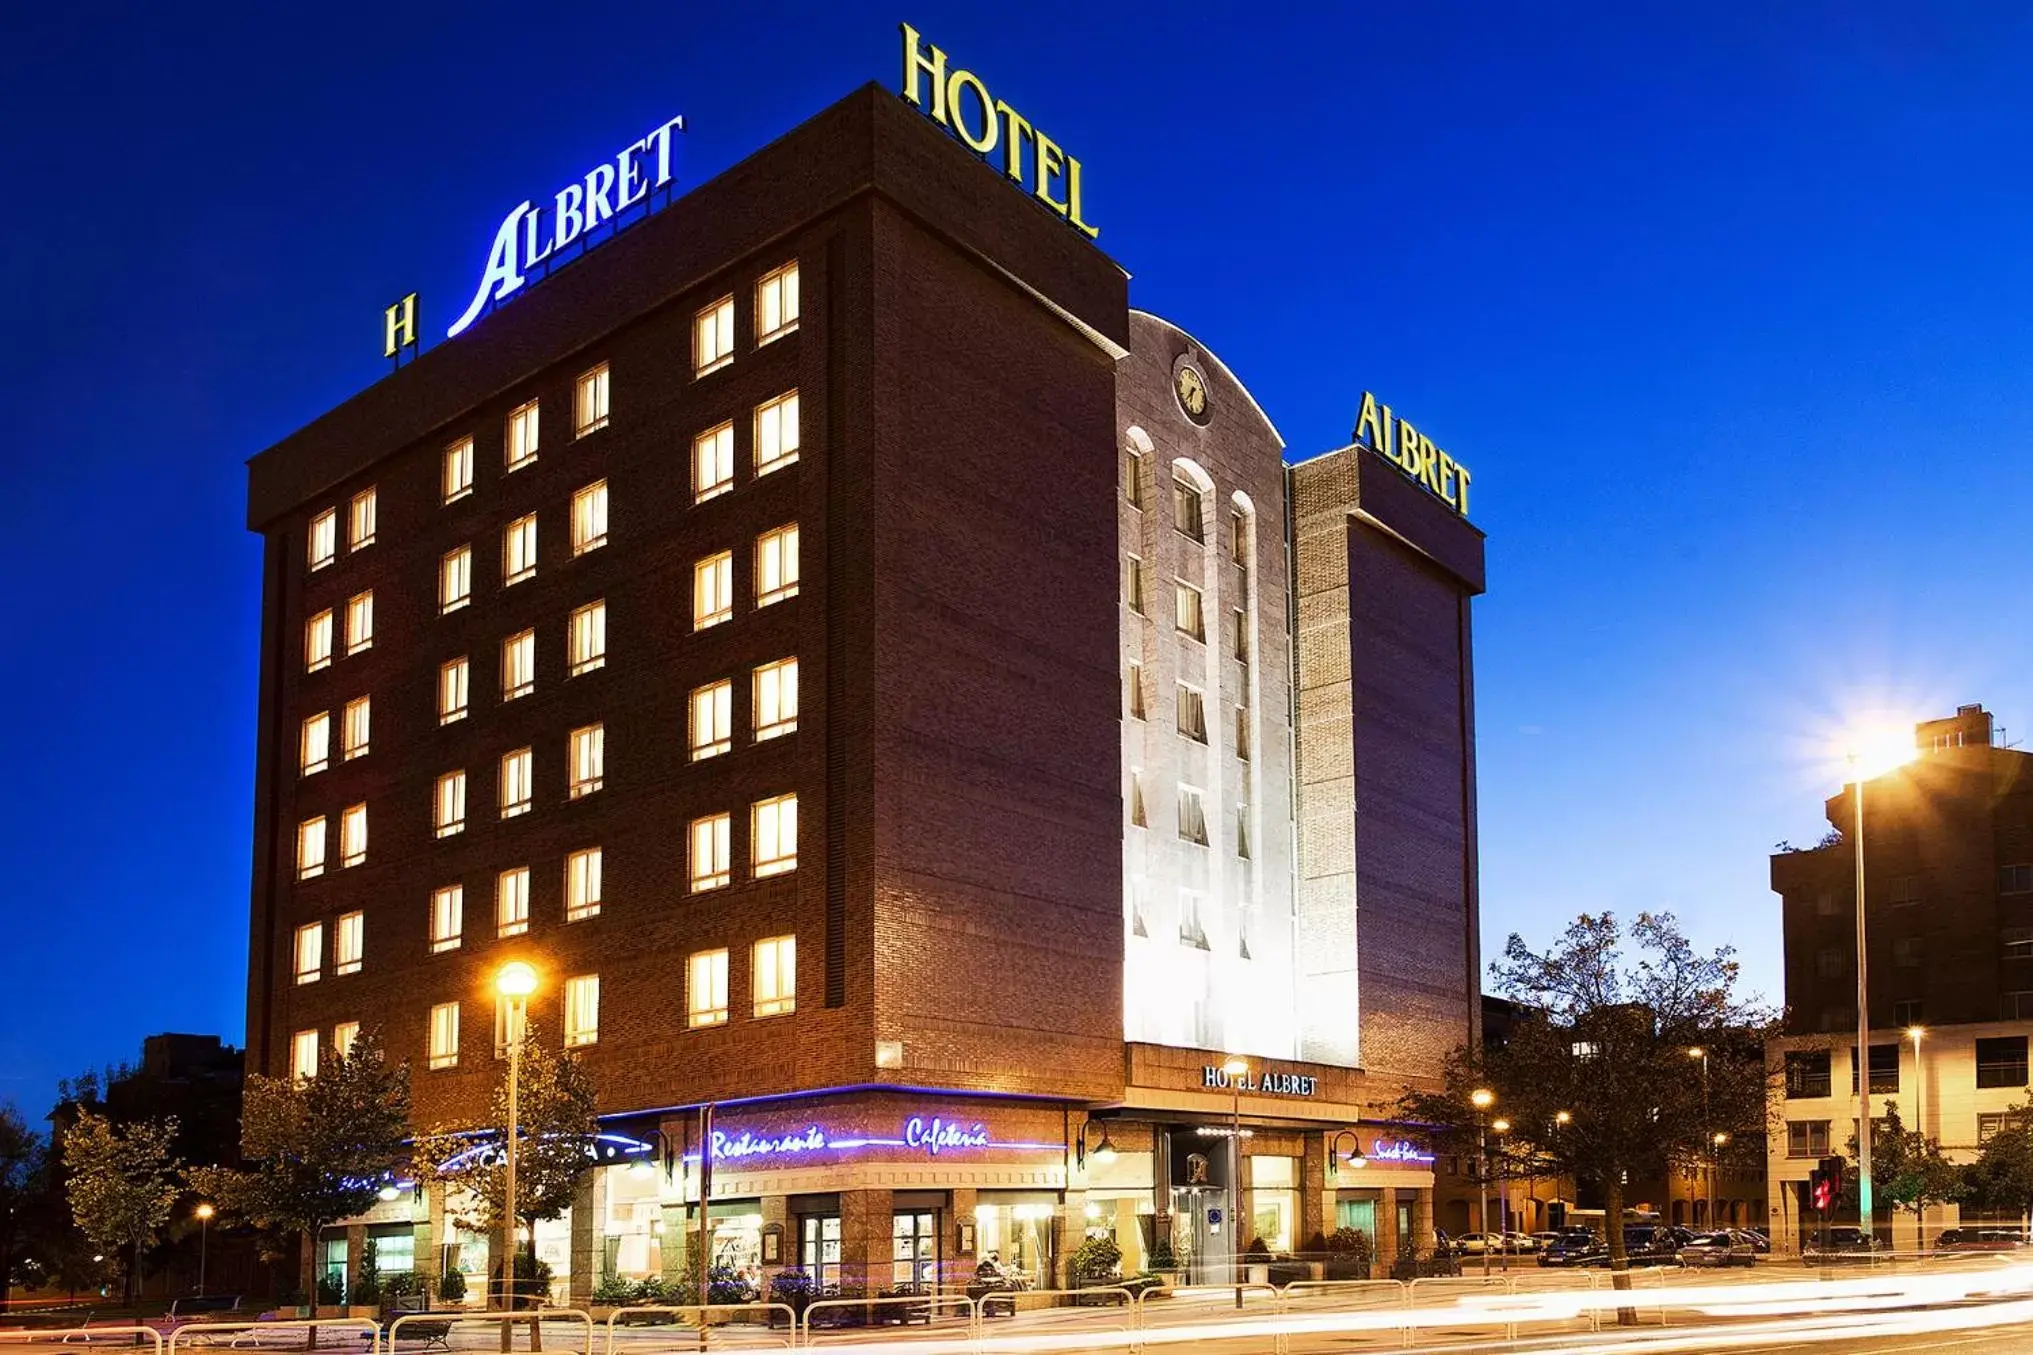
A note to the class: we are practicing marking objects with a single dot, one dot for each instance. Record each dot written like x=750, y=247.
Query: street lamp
x=1708, y=1207
x=204, y=1213
x=1718, y=1141
x=1482, y=1098
x=1879, y=753
x=1235, y=1069
x=1919, y=1112
x=1500, y=1127
x=515, y=982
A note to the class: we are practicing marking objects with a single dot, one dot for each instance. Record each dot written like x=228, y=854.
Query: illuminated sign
x=488, y=1153
x=1261, y=1084
x=1413, y=453
x=531, y=234
x=931, y=1136
x=961, y=103
x=398, y=326
x=1399, y=1150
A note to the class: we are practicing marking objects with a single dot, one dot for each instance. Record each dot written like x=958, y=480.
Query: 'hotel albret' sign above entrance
x=1413, y=453
x=1260, y=1084
x=958, y=101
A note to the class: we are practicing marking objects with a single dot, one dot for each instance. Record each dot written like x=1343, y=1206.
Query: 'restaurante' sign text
x=1413, y=453
x=535, y=232
x=958, y=101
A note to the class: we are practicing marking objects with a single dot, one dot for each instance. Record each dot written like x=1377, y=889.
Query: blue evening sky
x=1726, y=305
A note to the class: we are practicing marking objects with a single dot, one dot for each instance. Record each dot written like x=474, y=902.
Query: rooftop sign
x=1413, y=453
x=958, y=101
x=533, y=233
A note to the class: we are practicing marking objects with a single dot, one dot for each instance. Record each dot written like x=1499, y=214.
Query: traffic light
x=1820, y=1190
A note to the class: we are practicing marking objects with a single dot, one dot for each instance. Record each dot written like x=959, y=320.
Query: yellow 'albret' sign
x=1413, y=453
x=959, y=101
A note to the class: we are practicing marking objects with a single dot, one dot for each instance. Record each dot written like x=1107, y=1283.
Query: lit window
x=353, y=835
x=776, y=433
x=455, y=580
x=360, y=520
x=322, y=545
x=1186, y=612
x=713, y=463
x=589, y=518
x=519, y=448
x=775, y=974
x=1238, y=536
x=349, y=941
x=517, y=776
x=310, y=848
x=343, y=1036
x=776, y=699
x=511, y=902
x=589, y=409
x=448, y=917
x=360, y=622
x=314, y=747
x=1242, y=732
x=444, y=1046
x=1133, y=583
x=518, y=665
x=1192, y=714
x=712, y=719
x=1186, y=508
x=586, y=749
x=706, y=995
x=1138, y=818
x=303, y=1055
x=1239, y=631
x=773, y=835
x=353, y=732
x=310, y=952
x=712, y=590
x=318, y=641
x=457, y=481
x=448, y=815
x=582, y=884
x=776, y=303
x=1133, y=477
x=586, y=638
x=452, y=690
x=518, y=550
x=776, y=565
x=1242, y=831
x=582, y=1009
x=710, y=852
x=713, y=337
x=1192, y=816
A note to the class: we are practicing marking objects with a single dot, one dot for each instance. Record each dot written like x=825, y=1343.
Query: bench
x=192, y=1304
x=431, y=1335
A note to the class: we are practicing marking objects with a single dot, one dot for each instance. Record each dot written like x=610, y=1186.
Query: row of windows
x=2000, y=1061
x=1190, y=707
x=773, y=989
x=1905, y=891
x=1192, y=814
x=349, y=940
x=1189, y=514
x=1188, y=608
x=321, y=543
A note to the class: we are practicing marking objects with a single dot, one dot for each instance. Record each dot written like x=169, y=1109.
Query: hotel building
x=896, y=695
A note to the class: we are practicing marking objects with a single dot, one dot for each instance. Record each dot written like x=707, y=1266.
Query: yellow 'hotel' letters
x=1413, y=453
x=990, y=121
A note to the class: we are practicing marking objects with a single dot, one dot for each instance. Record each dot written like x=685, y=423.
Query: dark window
x=1831, y=962
x=1884, y=1069
x=1989, y=1126
x=2001, y=1062
x=1827, y=904
x=1186, y=508
x=1906, y=1012
x=1905, y=890
x=1908, y=951
x=1807, y=1072
x=1806, y=1138
x=2015, y=879
x=2015, y=1006
x=2017, y=943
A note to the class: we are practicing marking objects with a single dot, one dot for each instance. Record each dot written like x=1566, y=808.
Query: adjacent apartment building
x=1948, y=912
x=895, y=695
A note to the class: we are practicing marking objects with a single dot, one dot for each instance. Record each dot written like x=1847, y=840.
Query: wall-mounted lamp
x=1102, y=1152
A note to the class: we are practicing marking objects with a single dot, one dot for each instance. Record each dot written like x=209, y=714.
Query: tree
x=1907, y=1168
x=122, y=1183
x=21, y=1158
x=1602, y=1078
x=2001, y=1179
x=318, y=1149
x=555, y=1126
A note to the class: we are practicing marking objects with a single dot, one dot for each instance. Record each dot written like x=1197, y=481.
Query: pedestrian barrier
x=753, y=1320
x=1198, y=1305
x=84, y=1335
x=432, y=1331
x=934, y=1310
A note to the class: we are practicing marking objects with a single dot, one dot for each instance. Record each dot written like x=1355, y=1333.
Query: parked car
x=1475, y=1244
x=1980, y=1240
x=1838, y=1244
x=1726, y=1248
x=1520, y=1243
x=1644, y=1245
x=1757, y=1241
x=1547, y=1239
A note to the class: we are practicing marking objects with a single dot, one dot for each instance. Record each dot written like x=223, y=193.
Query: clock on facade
x=1191, y=389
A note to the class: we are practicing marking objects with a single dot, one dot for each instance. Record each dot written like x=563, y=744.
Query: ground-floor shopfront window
x=819, y=1250
x=1015, y=1230
x=1274, y=1202
x=332, y=1253
x=393, y=1247
x=632, y=1230
x=914, y=1248
x=1358, y=1213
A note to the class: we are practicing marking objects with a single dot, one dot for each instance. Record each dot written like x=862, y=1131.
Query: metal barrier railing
x=908, y=1307
x=434, y=1329
x=84, y=1335
x=701, y=1317
x=254, y=1332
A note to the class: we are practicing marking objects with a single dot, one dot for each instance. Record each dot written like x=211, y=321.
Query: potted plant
x=611, y=1293
x=365, y=1300
x=1257, y=1261
x=795, y=1290
x=1164, y=1263
x=452, y=1286
x=1349, y=1254
x=1096, y=1262
x=331, y=1296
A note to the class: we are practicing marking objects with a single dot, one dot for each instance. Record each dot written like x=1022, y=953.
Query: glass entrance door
x=914, y=1247
x=819, y=1250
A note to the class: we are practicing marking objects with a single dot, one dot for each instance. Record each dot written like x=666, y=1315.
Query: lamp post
x=1482, y=1098
x=1919, y=1117
x=1236, y=1070
x=515, y=983
x=1717, y=1142
x=1698, y=1052
x=1561, y=1119
x=1500, y=1127
x=1866, y=1216
x=204, y=1213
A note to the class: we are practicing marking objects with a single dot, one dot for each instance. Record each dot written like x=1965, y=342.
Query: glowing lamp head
x=1916, y=1032
x=1563, y=1117
x=204, y=1211
x=1104, y=1151
x=516, y=979
x=1501, y=1126
x=388, y=1192
x=1235, y=1067
x=1874, y=750
x=1482, y=1098
x=1721, y=1137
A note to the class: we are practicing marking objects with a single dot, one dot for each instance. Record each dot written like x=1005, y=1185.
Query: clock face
x=1192, y=392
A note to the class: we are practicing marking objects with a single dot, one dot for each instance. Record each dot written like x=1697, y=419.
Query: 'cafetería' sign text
x=1413, y=453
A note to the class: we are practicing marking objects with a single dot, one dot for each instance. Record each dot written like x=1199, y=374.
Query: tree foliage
x=21, y=1159
x=1908, y=1169
x=122, y=1182
x=2001, y=1179
x=554, y=1128
x=1599, y=1080
x=318, y=1150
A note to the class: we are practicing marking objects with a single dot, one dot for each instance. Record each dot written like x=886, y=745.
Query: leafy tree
x=554, y=1128
x=1908, y=1169
x=21, y=1158
x=2001, y=1179
x=1599, y=1079
x=318, y=1150
x=122, y=1183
